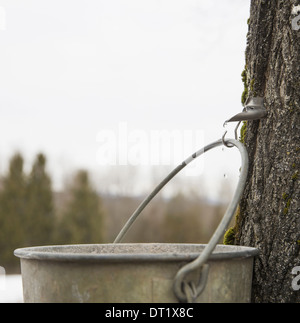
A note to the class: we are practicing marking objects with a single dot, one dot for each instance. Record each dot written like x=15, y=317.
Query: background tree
x=82, y=219
x=269, y=217
x=12, y=213
x=39, y=208
x=188, y=219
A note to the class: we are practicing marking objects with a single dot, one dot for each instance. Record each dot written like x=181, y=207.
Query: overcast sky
x=73, y=70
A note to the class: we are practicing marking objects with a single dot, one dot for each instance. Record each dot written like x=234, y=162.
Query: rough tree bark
x=269, y=216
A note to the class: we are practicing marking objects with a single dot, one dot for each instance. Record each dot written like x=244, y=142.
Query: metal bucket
x=131, y=273
x=144, y=272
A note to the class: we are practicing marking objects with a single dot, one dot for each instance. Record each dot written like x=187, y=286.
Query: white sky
x=70, y=69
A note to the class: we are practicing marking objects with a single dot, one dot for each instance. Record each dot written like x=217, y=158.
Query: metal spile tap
x=254, y=110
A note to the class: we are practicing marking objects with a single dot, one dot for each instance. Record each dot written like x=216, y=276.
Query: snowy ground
x=11, y=289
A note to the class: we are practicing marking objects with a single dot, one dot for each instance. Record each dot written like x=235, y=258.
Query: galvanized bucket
x=131, y=273
x=154, y=272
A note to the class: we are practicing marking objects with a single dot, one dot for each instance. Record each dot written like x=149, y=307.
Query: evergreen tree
x=39, y=209
x=82, y=220
x=12, y=212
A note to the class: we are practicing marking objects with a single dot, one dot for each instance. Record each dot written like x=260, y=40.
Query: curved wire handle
x=203, y=257
x=201, y=260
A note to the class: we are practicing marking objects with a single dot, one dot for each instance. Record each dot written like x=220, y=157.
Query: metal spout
x=254, y=110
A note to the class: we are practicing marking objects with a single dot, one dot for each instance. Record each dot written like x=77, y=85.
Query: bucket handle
x=219, y=232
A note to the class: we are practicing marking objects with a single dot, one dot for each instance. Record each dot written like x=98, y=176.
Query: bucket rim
x=61, y=253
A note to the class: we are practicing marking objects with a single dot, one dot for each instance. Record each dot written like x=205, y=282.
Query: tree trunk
x=269, y=217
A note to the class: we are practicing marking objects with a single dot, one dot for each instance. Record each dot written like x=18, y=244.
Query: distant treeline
x=32, y=214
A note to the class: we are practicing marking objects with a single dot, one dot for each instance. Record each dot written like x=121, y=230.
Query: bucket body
x=131, y=273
